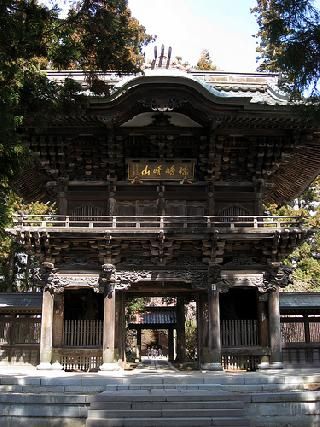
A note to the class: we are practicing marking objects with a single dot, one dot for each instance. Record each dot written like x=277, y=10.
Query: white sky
x=224, y=27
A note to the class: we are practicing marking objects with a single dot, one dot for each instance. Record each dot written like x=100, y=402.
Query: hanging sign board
x=173, y=170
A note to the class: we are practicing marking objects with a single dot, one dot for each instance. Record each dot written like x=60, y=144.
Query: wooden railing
x=142, y=223
x=238, y=333
x=83, y=333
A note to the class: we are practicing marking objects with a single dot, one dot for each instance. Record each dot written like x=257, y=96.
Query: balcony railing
x=154, y=223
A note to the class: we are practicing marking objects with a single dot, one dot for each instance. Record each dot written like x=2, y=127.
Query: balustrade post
x=161, y=222
x=114, y=222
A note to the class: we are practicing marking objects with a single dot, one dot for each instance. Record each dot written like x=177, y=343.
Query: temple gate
x=160, y=191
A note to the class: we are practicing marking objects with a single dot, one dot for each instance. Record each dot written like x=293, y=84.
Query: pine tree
x=204, y=62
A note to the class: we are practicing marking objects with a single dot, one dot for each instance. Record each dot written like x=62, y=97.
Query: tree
x=204, y=62
x=289, y=34
x=305, y=259
x=97, y=35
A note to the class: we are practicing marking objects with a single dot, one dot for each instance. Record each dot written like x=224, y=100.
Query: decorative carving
x=216, y=281
x=107, y=279
x=48, y=279
x=241, y=261
x=277, y=277
x=162, y=104
x=108, y=272
x=197, y=278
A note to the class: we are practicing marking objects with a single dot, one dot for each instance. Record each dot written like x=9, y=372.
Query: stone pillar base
x=271, y=365
x=44, y=366
x=212, y=366
x=56, y=366
x=109, y=367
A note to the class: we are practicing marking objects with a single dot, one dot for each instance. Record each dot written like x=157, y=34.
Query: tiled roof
x=154, y=317
x=20, y=302
x=299, y=301
x=261, y=88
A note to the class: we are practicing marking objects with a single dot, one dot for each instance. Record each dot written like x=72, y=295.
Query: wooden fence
x=300, y=337
x=83, y=333
x=236, y=333
x=20, y=330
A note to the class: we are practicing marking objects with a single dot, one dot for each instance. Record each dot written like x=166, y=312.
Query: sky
x=224, y=27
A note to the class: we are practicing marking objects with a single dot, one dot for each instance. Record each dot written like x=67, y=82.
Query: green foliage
x=204, y=62
x=289, y=36
x=15, y=274
x=96, y=35
x=305, y=259
x=191, y=331
x=136, y=305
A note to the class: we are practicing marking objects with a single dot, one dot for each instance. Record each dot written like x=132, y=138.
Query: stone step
x=42, y=410
x=166, y=396
x=165, y=412
x=48, y=399
x=22, y=421
x=246, y=388
x=136, y=405
x=87, y=389
x=168, y=422
x=198, y=379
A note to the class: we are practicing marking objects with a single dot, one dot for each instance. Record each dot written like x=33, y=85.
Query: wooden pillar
x=58, y=320
x=119, y=327
x=306, y=328
x=309, y=351
x=122, y=327
x=214, y=330
x=46, y=330
x=139, y=344
x=274, y=329
x=181, y=331
x=199, y=329
x=203, y=328
x=263, y=325
x=170, y=345
x=108, y=347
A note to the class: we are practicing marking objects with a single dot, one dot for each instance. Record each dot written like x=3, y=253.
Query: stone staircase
x=278, y=399
x=160, y=408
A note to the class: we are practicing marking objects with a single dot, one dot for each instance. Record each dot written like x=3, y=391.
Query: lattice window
x=88, y=212
x=233, y=210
